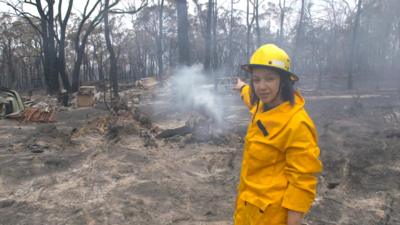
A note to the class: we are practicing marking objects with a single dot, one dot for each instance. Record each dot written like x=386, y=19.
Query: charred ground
x=91, y=167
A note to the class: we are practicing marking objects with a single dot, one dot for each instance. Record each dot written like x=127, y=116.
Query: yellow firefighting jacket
x=280, y=159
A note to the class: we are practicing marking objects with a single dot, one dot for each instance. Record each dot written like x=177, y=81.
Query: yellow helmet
x=272, y=57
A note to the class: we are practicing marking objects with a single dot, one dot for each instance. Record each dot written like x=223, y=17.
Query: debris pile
x=146, y=83
x=11, y=105
x=114, y=126
x=39, y=115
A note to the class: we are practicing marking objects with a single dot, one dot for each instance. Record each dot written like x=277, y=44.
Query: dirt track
x=56, y=174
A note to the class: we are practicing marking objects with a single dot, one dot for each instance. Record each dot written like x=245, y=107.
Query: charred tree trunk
x=76, y=70
x=208, y=43
x=248, y=29
x=9, y=58
x=53, y=84
x=61, y=50
x=80, y=47
x=159, y=42
x=249, y=24
x=80, y=51
x=299, y=36
x=214, y=36
x=282, y=7
x=230, y=41
x=113, y=59
x=99, y=62
x=353, y=46
x=258, y=34
x=61, y=67
x=80, y=44
x=45, y=53
x=333, y=40
x=46, y=31
x=48, y=46
x=183, y=33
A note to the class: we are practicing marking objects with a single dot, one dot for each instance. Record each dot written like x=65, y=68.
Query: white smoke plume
x=194, y=90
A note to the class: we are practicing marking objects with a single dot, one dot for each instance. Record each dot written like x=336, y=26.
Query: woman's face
x=266, y=86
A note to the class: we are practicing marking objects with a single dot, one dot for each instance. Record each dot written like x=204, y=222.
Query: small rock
x=35, y=148
x=6, y=203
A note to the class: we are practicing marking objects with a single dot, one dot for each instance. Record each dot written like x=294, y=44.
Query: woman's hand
x=294, y=218
x=239, y=84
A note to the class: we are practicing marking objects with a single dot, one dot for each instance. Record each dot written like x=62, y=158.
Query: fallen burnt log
x=200, y=133
x=392, y=133
x=181, y=131
x=200, y=124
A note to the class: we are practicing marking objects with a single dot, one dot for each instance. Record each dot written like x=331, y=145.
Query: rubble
x=122, y=124
x=11, y=105
x=39, y=115
x=146, y=83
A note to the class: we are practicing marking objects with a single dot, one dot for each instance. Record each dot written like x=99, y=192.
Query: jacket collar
x=275, y=119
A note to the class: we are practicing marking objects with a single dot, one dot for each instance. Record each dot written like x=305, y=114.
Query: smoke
x=193, y=90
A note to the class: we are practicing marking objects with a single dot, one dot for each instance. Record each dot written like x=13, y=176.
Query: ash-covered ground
x=93, y=168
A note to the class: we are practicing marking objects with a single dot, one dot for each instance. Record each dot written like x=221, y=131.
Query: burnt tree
x=113, y=59
x=299, y=36
x=81, y=37
x=282, y=8
x=353, y=46
x=183, y=36
x=61, y=44
x=113, y=73
x=160, y=41
x=208, y=41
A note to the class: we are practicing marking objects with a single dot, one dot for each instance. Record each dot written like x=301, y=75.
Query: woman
x=280, y=160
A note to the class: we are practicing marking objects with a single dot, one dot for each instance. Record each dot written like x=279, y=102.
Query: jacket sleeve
x=245, y=95
x=302, y=165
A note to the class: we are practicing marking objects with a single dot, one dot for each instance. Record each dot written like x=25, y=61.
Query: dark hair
x=286, y=89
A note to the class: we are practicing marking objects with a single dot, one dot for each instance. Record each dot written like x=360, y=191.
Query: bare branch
x=85, y=17
x=63, y=22
x=201, y=19
x=30, y=3
x=87, y=5
x=347, y=5
x=38, y=7
x=133, y=11
x=27, y=16
x=68, y=13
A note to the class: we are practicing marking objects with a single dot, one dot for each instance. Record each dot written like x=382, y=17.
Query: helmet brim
x=249, y=68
